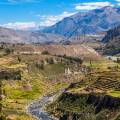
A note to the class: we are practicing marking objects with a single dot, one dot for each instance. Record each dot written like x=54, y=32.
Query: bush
x=19, y=59
x=2, y=118
x=51, y=61
x=45, y=53
x=40, y=65
x=8, y=51
x=72, y=59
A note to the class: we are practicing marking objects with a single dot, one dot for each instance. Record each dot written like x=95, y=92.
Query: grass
x=17, y=97
x=53, y=69
x=114, y=93
x=103, y=64
x=68, y=105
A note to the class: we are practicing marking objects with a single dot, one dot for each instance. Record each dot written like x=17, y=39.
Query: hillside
x=82, y=51
x=27, y=72
x=31, y=72
x=95, y=97
x=92, y=22
x=13, y=36
x=112, y=41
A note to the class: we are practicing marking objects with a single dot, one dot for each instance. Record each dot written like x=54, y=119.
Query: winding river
x=36, y=108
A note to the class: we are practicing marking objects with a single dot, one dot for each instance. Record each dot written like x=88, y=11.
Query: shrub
x=72, y=59
x=45, y=53
x=40, y=65
x=8, y=51
x=51, y=61
x=19, y=59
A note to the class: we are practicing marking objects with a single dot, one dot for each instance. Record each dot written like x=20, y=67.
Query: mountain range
x=78, y=28
x=92, y=22
x=14, y=36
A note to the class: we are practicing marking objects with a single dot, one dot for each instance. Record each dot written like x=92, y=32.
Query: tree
x=19, y=59
x=40, y=65
x=51, y=61
x=45, y=53
x=8, y=51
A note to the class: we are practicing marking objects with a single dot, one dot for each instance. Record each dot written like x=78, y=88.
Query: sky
x=25, y=14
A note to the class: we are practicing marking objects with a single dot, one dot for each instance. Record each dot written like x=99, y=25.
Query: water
x=36, y=109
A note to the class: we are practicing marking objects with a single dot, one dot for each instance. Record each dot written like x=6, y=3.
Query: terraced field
x=27, y=77
x=106, y=84
x=94, y=97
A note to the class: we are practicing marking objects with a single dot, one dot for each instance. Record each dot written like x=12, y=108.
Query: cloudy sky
x=23, y=14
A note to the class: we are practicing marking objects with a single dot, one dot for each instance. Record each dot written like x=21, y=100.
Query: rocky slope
x=87, y=22
x=112, y=41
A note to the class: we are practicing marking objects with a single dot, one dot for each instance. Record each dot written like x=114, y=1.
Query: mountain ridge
x=14, y=36
x=91, y=22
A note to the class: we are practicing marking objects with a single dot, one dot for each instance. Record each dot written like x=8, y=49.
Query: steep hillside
x=82, y=51
x=12, y=36
x=87, y=22
x=112, y=41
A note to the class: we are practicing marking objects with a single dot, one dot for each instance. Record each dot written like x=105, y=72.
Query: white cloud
x=20, y=25
x=52, y=19
x=117, y=0
x=92, y=5
x=14, y=2
x=45, y=21
x=21, y=1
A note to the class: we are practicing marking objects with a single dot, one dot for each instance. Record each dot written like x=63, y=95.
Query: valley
x=60, y=66
x=31, y=72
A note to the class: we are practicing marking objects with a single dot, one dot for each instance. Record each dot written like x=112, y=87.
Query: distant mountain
x=92, y=22
x=13, y=36
x=112, y=41
x=36, y=29
x=88, y=38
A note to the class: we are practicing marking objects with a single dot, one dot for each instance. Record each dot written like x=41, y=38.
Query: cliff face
x=92, y=107
x=101, y=102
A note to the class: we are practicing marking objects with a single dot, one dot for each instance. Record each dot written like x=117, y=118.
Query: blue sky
x=22, y=14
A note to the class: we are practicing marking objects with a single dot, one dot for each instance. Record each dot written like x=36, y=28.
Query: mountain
x=13, y=36
x=112, y=41
x=91, y=22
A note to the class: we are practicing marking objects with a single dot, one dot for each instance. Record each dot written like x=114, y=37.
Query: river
x=36, y=108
